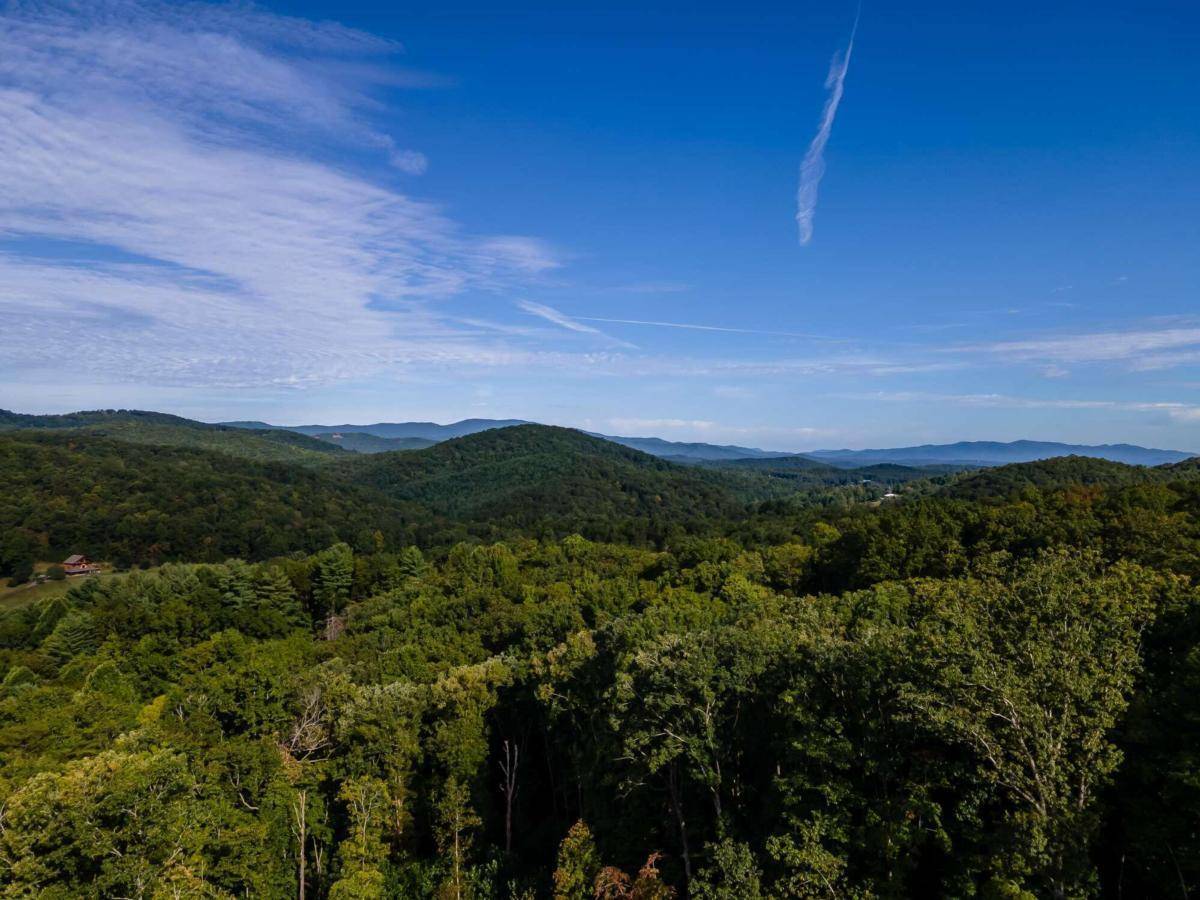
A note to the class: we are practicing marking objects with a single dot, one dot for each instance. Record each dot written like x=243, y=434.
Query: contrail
x=690, y=326
x=813, y=166
x=550, y=314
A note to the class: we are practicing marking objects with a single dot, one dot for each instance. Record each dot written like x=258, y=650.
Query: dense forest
x=132, y=490
x=529, y=663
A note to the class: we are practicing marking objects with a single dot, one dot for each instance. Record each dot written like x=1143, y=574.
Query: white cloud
x=411, y=162
x=149, y=172
x=1175, y=410
x=525, y=253
x=1140, y=348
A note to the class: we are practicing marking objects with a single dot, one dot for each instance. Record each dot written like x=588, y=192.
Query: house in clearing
x=78, y=564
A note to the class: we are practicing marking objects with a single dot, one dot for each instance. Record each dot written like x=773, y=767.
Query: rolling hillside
x=67, y=491
x=162, y=430
x=116, y=494
x=553, y=479
x=1050, y=474
x=805, y=471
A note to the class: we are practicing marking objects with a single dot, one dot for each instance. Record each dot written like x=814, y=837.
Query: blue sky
x=585, y=214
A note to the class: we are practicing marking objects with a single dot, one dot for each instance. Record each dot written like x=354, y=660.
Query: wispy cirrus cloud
x=812, y=168
x=561, y=319
x=1140, y=348
x=174, y=175
x=1176, y=410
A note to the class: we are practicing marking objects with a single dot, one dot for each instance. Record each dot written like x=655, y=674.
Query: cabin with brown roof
x=78, y=564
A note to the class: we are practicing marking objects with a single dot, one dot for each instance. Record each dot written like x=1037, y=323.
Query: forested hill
x=555, y=480
x=1062, y=472
x=144, y=488
x=118, y=495
x=11, y=420
x=412, y=677
x=805, y=469
x=163, y=430
x=70, y=492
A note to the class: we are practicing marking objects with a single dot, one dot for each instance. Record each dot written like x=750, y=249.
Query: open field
x=30, y=592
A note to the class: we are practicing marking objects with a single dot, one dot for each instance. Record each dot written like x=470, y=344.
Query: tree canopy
x=407, y=677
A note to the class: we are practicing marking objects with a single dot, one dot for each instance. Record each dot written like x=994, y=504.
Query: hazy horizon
x=336, y=422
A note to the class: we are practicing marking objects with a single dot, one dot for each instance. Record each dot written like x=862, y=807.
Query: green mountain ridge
x=115, y=493
x=69, y=491
x=164, y=430
x=1064, y=471
x=805, y=468
x=539, y=475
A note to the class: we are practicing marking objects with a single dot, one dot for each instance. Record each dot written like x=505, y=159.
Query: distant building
x=78, y=564
x=890, y=496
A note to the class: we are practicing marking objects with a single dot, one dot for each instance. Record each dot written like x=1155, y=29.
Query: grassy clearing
x=25, y=594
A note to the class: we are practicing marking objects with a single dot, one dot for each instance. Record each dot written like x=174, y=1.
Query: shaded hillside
x=66, y=491
x=803, y=471
x=797, y=463
x=10, y=420
x=1188, y=470
x=555, y=479
x=161, y=430
x=73, y=490
x=1061, y=472
x=261, y=446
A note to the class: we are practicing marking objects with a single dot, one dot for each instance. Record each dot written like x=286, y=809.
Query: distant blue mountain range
x=430, y=431
x=963, y=453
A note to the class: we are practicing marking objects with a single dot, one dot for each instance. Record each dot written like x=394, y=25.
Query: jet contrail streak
x=813, y=166
x=550, y=314
x=690, y=326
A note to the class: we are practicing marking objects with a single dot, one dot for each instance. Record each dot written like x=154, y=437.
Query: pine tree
x=578, y=865
x=334, y=575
